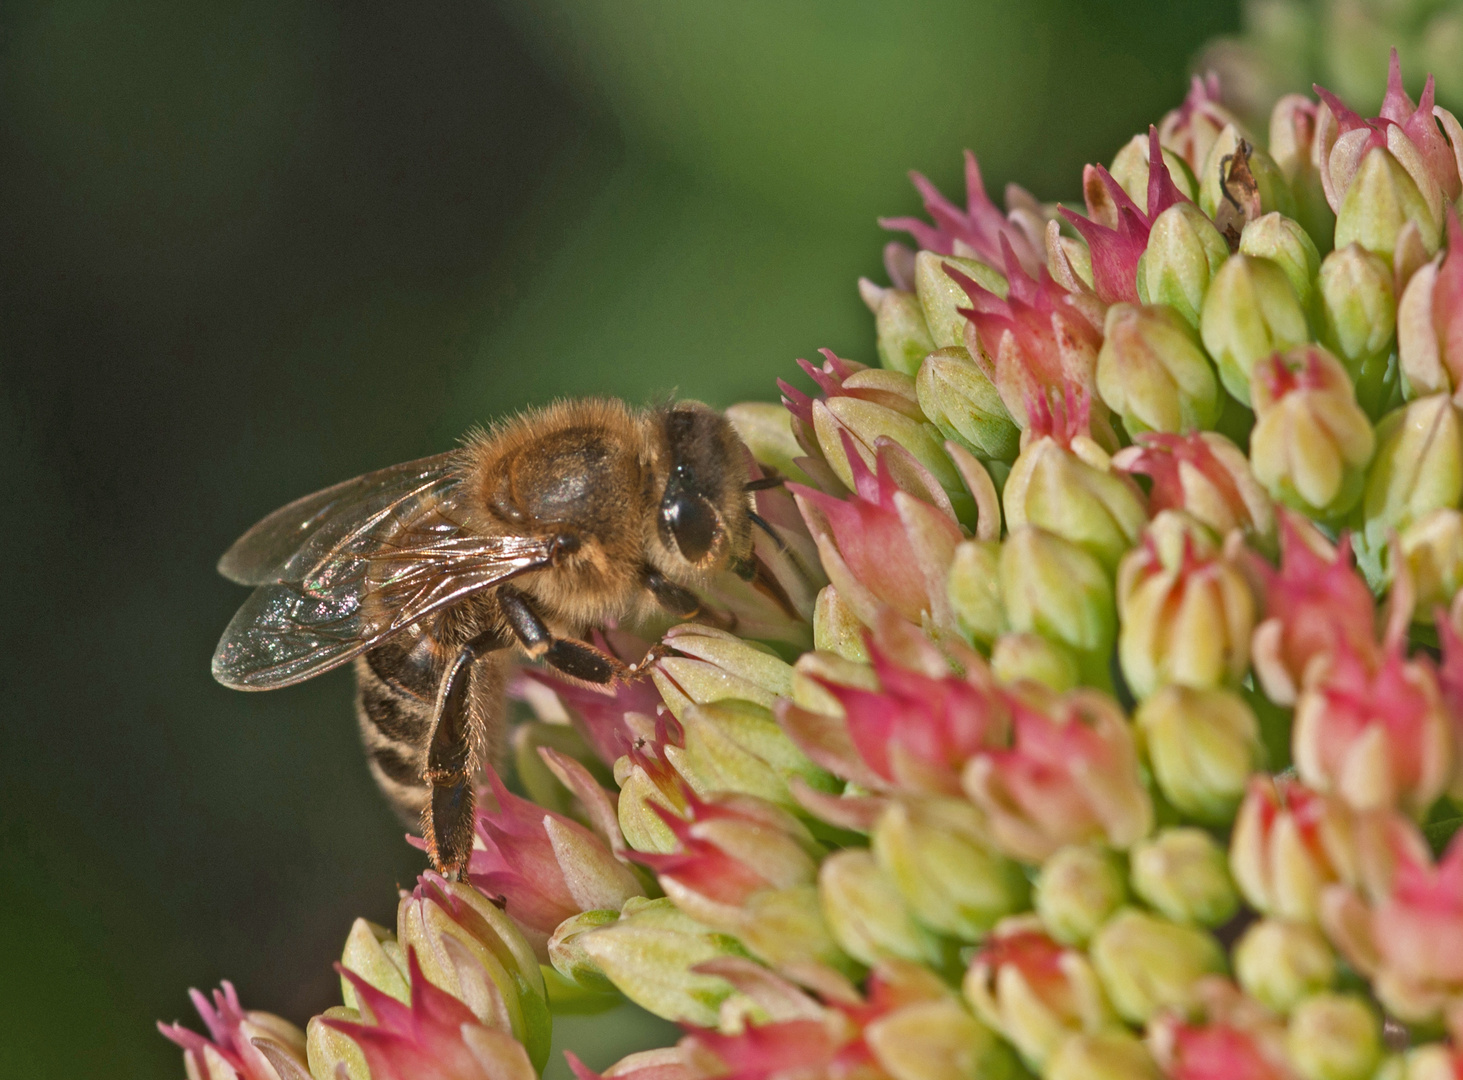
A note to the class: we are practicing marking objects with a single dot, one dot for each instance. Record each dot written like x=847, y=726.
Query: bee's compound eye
x=693, y=522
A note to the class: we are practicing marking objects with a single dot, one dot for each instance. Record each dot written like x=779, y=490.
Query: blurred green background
x=249, y=249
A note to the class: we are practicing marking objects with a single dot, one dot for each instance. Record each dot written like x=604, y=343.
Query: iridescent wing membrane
x=340, y=571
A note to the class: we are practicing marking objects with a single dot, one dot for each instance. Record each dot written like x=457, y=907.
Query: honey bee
x=428, y=575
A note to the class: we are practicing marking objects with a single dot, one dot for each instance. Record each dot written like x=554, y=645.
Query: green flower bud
x=1274, y=192
x=1311, y=441
x=904, y=337
x=868, y=916
x=567, y=954
x=1357, y=306
x=786, y=929
x=1152, y=372
x=649, y=954
x=1251, y=311
x=869, y=421
x=1292, y=134
x=1130, y=169
x=734, y=746
x=1109, y=1055
x=1380, y=200
x=1184, y=874
x=1334, y=1036
x=1418, y=468
x=766, y=429
x=1202, y=746
x=1433, y=549
x=1032, y=658
x=1279, y=963
x=937, y=1040
x=1051, y=587
x=1077, y=890
x=963, y=403
x=836, y=629
x=1184, y=253
x=940, y=297
x=1284, y=242
x=1147, y=963
x=974, y=590
x=334, y=1053
x=1074, y=492
x=372, y=953
x=937, y=854
x=711, y=665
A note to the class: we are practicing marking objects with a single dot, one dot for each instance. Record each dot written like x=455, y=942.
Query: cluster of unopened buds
x=1121, y=733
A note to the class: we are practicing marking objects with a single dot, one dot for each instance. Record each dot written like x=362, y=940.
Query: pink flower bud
x=1409, y=939
x=1190, y=130
x=1233, y=1038
x=1070, y=777
x=240, y=1045
x=1289, y=843
x=1314, y=603
x=1430, y=321
x=855, y=537
x=978, y=231
x=1378, y=736
x=1206, y=476
x=436, y=1037
x=545, y=867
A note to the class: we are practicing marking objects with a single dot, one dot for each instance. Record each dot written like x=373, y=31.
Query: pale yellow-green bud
x=1311, y=441
x=836, y=628
x=711, y=665
x=868, y=916
x=937, y=1040
x=1152, y=372
x=941, y=298
x=1074, y=492
x=1109, y=1055
x=1032, y=658
x=938, y=855
x=1334, y=1037
x=1284, y=242
x=1077, y=890
x=1433, y=549
x=1250, y=311
x=1184, y=874
x=1186, y=611
x=372, y=953
x=974, y=590
x=1418, y=468
x=1357, y=306
x=734, y=746
x=1279, y=963
x=1147, y=963
x=1054, y=588
x=334, y=1054
x=648, y=955
x=1184, y=253
x=1203, y=745
x=903, y=335
x=1380, y=200
x=964, y=404
x=567, y=953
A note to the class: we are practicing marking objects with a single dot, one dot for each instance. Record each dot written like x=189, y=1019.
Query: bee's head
x=702, y=518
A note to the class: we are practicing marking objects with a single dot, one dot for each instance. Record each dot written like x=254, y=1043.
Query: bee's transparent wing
x=351, y=586
x=317, y=522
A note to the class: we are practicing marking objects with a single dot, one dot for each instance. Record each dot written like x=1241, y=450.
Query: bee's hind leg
x=447, y=822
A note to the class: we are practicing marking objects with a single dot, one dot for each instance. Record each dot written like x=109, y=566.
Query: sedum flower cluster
x=1100, y=712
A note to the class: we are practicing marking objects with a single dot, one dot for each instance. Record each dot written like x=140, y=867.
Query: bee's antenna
x=762, y=523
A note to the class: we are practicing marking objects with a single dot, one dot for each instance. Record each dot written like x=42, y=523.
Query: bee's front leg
x=577, y=659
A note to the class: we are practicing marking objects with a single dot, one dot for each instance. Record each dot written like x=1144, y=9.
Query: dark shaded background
x=249, y=249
